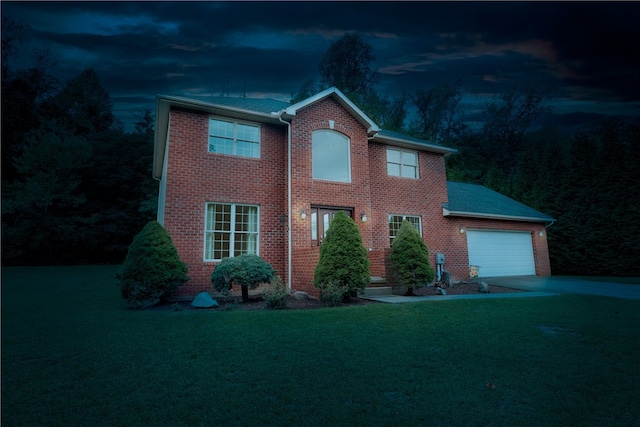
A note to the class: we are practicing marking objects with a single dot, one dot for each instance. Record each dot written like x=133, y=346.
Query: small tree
x=152, y=267
x=343, y=259
x=410, y=259
x=247, y=271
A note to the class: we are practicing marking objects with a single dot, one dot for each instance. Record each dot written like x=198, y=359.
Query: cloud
x=588, y=49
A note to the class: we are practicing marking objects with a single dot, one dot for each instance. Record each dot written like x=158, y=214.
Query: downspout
x=289, y=202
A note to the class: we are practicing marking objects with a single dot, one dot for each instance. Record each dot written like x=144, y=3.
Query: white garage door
x=501, y=253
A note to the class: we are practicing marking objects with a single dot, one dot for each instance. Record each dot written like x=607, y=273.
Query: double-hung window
x=395, y=221
x=402, y=163
x=237, y=139
x=230, y=230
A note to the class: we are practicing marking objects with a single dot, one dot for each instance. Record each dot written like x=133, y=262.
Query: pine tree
x=410, y=259
x=343, y=259
x=152, y=267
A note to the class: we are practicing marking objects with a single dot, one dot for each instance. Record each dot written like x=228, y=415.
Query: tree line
x=588, y=181
x=76, y=187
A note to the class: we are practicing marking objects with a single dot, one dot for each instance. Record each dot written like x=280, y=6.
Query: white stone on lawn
x=204, y=300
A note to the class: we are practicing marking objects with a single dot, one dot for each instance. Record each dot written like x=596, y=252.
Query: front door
x=321, y=219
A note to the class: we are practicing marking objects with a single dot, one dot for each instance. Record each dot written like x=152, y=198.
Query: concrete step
x=373, y=291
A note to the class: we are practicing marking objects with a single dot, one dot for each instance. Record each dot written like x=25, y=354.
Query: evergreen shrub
x=247, y=271
x=410, y=259
x=275, y=294
x=333, y=293
x=152, y=267
x=343, y=263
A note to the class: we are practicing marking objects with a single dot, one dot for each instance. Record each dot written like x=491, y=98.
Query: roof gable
x=477, y=201
x=267, y=110
x=342, y=99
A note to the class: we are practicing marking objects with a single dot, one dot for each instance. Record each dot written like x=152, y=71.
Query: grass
x=73, y=355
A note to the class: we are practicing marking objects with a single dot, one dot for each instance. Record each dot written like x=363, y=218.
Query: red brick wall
x=421, y=197
x=307, y=192
x=195, y=177
x=454, y=244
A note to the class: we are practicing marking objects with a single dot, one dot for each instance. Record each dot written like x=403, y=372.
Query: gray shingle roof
x=259, y=105
x=387, y=134
x=473, y=200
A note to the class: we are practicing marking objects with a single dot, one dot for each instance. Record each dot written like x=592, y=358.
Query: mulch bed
x=257, y=303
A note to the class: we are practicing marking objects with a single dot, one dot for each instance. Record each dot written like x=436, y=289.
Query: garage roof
x=477, y=201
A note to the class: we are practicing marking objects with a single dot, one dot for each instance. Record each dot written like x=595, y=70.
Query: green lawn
x=72, y=355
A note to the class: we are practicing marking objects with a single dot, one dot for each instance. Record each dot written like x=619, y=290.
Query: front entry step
x=377, y=291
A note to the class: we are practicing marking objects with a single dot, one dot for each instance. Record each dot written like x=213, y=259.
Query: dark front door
x=321, y=219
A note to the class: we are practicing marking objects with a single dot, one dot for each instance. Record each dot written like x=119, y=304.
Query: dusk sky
x=588, y=52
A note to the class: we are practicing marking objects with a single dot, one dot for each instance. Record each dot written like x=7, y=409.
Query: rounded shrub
x=410, y=259
x=275, y=294
x=343, y=263
x=247, y=271
x=152, y=267
x=333, y=294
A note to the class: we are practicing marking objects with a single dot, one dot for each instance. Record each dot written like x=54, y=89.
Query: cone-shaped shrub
x=152, y=267
x=343, y=259
x=247, y=271
x=410, y=259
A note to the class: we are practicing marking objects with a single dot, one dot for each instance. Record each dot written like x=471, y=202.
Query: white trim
x=343, y=100
x=235, y=124
x=463, y=214
x=404, y=216
x=402, y=164
x=162, y=187
x=348, y=140
x=232, y=231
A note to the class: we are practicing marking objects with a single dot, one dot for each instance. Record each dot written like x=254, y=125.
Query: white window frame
x=315, y=170
x=402, y=164
x=232, y=231
x=234, y=139
x=418, y=217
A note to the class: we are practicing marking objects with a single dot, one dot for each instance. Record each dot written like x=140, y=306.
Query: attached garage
x=501, y=253
x=503, y=236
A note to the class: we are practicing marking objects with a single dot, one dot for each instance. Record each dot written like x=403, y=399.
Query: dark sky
x=588, y=52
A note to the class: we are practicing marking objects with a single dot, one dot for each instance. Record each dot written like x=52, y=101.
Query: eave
x=341, y=98
x=483, y=215
x=407, y=143
x=164, y=104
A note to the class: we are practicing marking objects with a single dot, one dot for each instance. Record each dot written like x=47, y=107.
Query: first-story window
x=230, y=230
x=395, y=221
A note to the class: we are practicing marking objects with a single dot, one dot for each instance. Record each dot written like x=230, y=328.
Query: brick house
x=241, y=175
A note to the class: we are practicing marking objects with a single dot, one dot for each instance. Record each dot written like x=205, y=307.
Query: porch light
x=363, y=216
x=303, y=215
x=461, y=230
x=540, y=233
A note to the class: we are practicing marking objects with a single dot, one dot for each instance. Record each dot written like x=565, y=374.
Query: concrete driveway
x=567, y=285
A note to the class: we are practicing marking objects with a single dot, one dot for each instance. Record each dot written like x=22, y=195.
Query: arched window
x=331, y=156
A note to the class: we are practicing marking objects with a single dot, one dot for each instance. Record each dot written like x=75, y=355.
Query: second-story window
x=331, y=156
x=402, y=163
x=237, y=139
